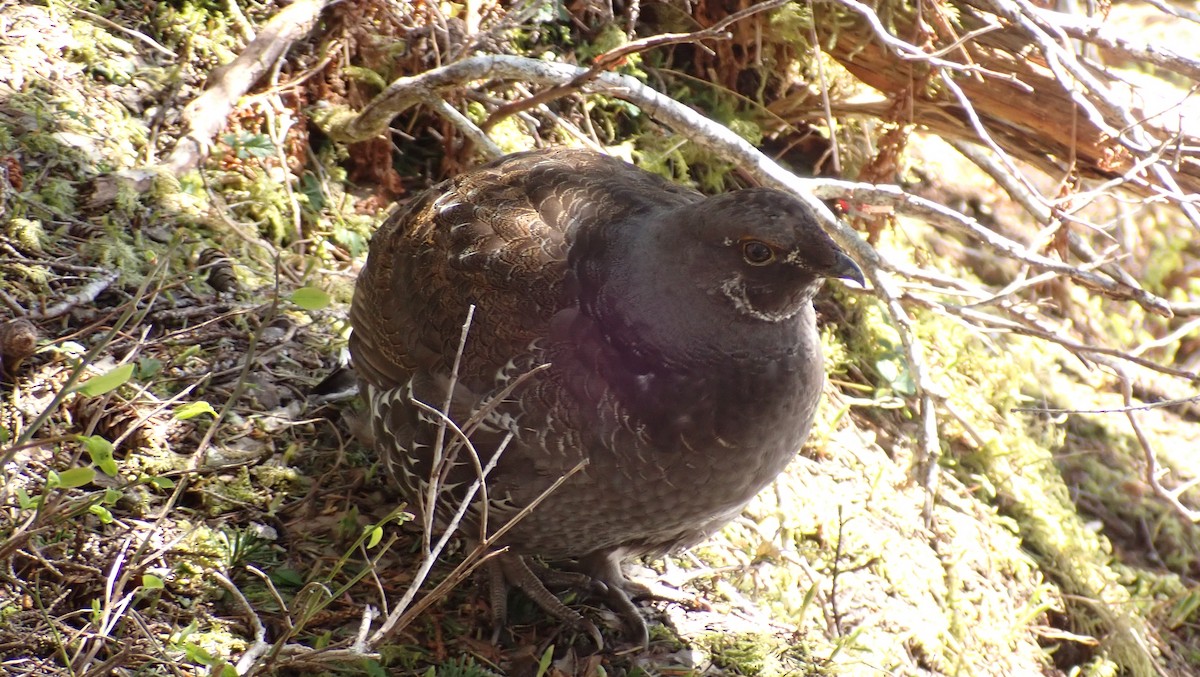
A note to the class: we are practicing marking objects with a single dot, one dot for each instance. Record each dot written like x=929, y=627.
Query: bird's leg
x=567, y=579
x=598, y=574
x=508, y=569
x=497, y=596
x=620, y=592
x=605, y=567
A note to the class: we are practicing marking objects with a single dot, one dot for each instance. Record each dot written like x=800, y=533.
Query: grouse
x=655, y=347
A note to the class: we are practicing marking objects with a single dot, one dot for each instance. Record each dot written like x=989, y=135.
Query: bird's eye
x=757, y=253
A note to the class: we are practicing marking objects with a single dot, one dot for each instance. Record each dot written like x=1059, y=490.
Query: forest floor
x=176, y=500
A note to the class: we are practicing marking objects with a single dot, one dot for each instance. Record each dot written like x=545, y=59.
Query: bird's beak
x=846, y=269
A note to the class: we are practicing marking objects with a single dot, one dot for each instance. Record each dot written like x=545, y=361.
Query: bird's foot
x=510, y=570
x=599, y=575
x=620, y=592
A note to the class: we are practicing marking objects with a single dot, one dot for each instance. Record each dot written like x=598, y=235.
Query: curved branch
x=409, y=91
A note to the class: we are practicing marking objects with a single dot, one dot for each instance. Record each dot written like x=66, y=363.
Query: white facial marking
x=735, y=289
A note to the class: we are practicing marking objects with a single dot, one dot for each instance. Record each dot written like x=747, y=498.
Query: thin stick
x=439, y=448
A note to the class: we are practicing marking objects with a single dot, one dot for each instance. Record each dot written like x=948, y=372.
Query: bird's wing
x=462, y=243
x=497, y=238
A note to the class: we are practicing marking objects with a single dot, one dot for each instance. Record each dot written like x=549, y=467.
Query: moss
x=684, y=163
x=8, y=610
x=213, y=645
x=276, y=477
x=757, y=654
x=1018, y=460
x=204, y=550
x=26, y=232
x=511, y=135
x=837, y=355
x=1010, y=458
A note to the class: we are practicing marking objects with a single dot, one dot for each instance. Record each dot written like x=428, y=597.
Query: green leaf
x=111, y=496
x=375, y=537
x=152, y=582
x=310, y=185
x=544, y=663
x=373, y=669
x=1184, y=609
x=101, y=452
x=163, y=482
x=894, y=370
x=310, y=298
x=288, y=577
x=148, y=367
x=24, y=500
x=69, y=479
x=101, y=512
x=250, y=145
x=98, y=385
x=5, y=434
x=197, y=654
x=194, y=409
x=354, y=242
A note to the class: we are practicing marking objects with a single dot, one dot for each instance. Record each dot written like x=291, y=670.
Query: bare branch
x=617, y=55
x=205, y=116
x=84, y=296
x=1089, y=29
x=1154, y=471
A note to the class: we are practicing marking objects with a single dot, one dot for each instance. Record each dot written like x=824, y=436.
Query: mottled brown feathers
x=684, y=362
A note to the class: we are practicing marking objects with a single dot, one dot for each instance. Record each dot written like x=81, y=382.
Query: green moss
x=511, y=135
x=8, y=610
x=206, y=549
x=1018, y=460
x=684, y=163
x=26, y=232
x=210, y=646
x=59, y=194
x=276, y=477
x=757, y=654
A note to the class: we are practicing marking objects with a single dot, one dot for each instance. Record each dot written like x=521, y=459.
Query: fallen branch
x=1154, y=470
x=1043, y=92
x=205, y=116
x=85, y=295
x=1095, y=273
x=409, y=91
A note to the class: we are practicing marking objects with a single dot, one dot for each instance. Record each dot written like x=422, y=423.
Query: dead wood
x=1022, y=102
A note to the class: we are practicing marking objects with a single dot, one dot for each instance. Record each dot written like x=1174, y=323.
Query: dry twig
x=205, y=116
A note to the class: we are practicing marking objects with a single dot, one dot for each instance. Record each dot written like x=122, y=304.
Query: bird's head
x=759, y=249
x=728, y=275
